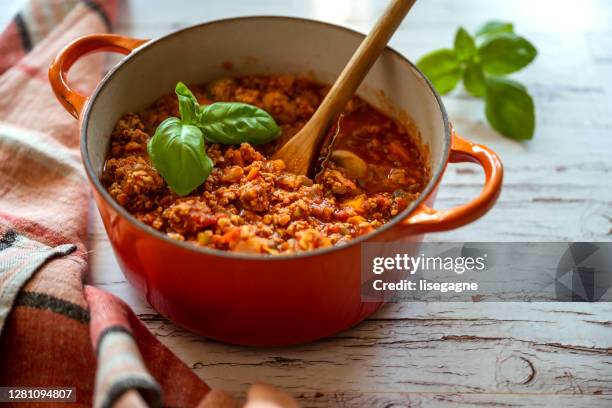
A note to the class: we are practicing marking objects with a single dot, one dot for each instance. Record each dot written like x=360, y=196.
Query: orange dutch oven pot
x=243, y=298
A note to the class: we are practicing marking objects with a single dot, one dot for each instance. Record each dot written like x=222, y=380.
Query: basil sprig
x=178, y=146
x=481, y=61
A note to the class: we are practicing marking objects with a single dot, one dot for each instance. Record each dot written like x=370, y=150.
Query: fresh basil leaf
x=235, y=123
x=505, y=53
x=494, y=27
x=178, y=153
x=443, y=69
x=509, y=108
x=465, y=47
x=188, y=104
x=474, y=79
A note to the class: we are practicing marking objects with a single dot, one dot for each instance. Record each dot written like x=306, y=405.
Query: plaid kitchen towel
x=54, y=331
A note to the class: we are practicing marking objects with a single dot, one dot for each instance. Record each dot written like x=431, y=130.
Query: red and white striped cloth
x=54, y=331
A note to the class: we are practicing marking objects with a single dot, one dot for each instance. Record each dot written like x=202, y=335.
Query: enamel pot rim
x=116, y=70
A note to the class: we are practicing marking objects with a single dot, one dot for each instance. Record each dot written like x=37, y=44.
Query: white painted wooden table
x=558, y=187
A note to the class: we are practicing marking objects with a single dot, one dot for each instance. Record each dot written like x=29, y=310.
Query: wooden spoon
x=301, y=151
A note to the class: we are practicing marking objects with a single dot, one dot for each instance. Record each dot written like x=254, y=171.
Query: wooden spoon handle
x=299, y=153
x=360, y=63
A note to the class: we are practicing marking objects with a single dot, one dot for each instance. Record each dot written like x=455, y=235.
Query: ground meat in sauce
x=249, y=203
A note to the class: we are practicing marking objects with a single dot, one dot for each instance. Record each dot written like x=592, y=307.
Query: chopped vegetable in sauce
x=249, y=203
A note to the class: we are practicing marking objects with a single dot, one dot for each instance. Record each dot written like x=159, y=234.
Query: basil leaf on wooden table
x=465, y=47
x=178, y=153
x=235, y=123
x=509, y=108
x=505, y=53
x=474, y=79
x=495, y=50
x=443, y=69
x=494, y=27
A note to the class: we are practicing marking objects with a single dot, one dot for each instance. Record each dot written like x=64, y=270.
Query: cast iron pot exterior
x=243, y=298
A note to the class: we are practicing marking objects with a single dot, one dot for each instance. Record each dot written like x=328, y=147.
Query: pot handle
x=72, y=100
x=425, y=219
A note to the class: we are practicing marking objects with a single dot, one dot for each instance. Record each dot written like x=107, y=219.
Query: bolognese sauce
x=249, y=203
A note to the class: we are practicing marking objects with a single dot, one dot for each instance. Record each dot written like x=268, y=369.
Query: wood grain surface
x=558, y=188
